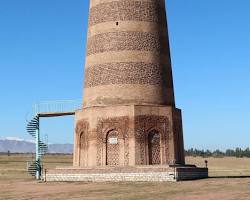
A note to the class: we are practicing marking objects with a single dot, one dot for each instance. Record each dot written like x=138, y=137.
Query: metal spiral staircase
x=46, y=109
x=34, y=167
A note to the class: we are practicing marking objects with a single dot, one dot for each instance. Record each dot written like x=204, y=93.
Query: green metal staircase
x=34, y=167
x=46, y=109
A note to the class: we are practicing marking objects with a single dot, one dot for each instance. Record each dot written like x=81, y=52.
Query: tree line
x=238, y=152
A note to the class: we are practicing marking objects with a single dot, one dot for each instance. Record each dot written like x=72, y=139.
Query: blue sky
x=42, y=50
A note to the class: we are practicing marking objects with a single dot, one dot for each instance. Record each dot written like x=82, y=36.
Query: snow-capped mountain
x=18, y=145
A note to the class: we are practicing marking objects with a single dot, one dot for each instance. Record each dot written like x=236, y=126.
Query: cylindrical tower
x=129, y=115
x=128, y=56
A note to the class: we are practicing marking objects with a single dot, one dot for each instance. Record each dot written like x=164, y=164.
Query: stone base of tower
x=126, y=174
x=128, y=135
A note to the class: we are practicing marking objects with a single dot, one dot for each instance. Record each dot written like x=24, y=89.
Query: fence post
x=45, y=172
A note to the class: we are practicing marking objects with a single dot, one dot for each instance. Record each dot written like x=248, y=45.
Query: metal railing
x=59, y=106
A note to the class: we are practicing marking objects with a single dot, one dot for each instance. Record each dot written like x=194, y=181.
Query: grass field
x=16, y=184
x=14, y=166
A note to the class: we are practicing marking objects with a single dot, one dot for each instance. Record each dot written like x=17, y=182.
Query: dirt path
x=209, y=189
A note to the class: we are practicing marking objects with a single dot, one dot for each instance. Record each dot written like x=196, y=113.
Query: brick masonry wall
x=137, y=41
x=140, y=174
x=113, y=177
x=149, y=11
x=119, y=31
x=137, y=73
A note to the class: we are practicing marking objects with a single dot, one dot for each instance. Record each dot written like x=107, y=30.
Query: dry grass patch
x=16, y=184
x=228, y=166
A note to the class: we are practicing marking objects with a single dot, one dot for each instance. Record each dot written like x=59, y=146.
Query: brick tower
x=129, y=116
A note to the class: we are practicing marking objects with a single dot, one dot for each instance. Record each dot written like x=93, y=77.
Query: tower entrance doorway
x=113, y=148
x=154, y=152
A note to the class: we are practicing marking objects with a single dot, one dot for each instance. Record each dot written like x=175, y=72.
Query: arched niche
x=154, y=147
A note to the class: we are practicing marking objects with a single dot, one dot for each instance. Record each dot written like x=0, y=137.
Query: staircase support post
x=38, y=164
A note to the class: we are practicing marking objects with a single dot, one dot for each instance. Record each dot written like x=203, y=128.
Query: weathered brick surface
x=126, y=26
x=131, y=94
x=120, y=41
x=129, y=116
x=126, y=73
x=114, y=177
x=133, y=174
x=126, y=57
x=150, y=11
x=134, y=124
x=107, y=169
x=119, y=33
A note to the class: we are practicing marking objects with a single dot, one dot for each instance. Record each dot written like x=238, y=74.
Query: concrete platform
x=160, y=173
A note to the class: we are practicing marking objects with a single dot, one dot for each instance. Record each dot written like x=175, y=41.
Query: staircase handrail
x=57, y=106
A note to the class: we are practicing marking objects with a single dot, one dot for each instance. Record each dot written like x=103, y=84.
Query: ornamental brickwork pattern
x=154, y=147
x=104, y=126
x=120, y=41
x=113, y=149
x=143, y=126
x=127, y=11
x=126, y=73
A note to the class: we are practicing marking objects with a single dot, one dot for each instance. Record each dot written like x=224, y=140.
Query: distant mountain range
x=17, y=145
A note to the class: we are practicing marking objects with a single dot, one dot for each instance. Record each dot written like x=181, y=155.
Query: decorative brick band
x=127, y=11
x=125, y=73
x=127, y=26
x=126, y=56
x=119, y=41
x=128, y=94
x=94, y=3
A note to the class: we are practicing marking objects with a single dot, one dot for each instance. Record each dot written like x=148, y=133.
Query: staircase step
x=32, y=127
x=31, y=131
x=32, y=123
x=32, y=168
